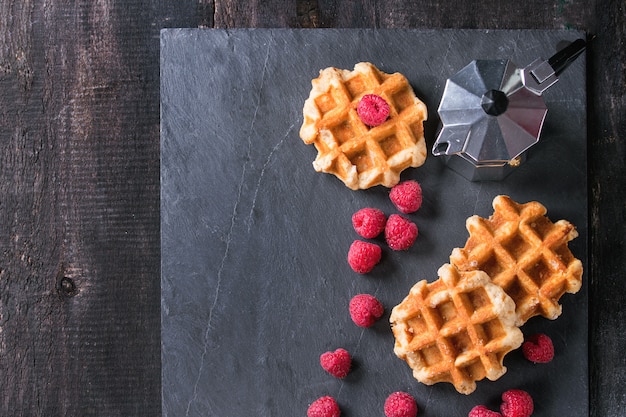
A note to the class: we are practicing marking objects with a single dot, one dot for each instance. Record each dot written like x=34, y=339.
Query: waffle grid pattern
x=457, y=329
x=361, y=156
x=524, y=253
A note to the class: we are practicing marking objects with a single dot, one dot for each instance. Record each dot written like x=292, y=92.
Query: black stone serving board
x=255, y=283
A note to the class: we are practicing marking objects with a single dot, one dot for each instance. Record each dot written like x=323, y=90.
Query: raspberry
x=363, y=256
x=369, y=222
x=407, y=196
x=365, y=310
x=482, y=411
x=400, y=232
x=538, y=348
x=516, y=403
x=336, y=363
x=324, y=407
x=400, y=404
x=373, y=110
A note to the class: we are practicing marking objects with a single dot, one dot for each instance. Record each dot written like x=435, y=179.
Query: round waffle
x=358, y=155
x=456, y=329
x=524, y=253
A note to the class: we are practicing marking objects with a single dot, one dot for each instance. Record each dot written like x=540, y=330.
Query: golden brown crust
x=456, y=329
x=358, y=155
x=524, y=253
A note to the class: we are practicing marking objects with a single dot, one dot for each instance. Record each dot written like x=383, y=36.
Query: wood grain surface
x=79, y=183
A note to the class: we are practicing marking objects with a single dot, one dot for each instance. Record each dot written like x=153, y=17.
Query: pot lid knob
x=494, y=102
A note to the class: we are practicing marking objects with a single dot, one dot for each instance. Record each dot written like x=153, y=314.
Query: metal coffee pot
x=492, y=112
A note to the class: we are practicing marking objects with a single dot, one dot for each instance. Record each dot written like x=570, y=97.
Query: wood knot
x=67, y=287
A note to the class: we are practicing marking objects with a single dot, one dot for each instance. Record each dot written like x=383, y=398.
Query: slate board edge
x=367, y=30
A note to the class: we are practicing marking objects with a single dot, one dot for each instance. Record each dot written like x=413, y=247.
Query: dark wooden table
x=79, y=183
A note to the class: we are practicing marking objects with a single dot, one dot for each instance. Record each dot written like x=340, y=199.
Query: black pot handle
x=567, y=55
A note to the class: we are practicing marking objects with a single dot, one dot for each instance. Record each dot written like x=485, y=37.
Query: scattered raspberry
x=365, y=310
x=373, y=110
x=407, y=196
x=363, y=256
x=369, y=222
x=482, y=411
x=400, y=404
x=336, y=363
x=538, y=348
x=516, y=403
x=400, y=232
x=324, y=407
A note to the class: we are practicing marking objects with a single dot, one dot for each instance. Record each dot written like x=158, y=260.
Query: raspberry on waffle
x=456, y=329
x=524, y=253
x=359, y=155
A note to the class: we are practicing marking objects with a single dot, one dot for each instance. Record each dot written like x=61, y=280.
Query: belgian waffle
x=456, y=329
x=524, y=253
x=358, y=155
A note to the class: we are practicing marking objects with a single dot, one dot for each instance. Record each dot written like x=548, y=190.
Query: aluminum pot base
x=481, y=172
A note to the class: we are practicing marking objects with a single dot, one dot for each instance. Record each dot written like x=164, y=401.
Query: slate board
x=255, y=283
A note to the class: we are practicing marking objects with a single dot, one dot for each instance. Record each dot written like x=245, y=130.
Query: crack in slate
x=228, y=238
x=216, y=295
x=477, y=201
x=262, y=173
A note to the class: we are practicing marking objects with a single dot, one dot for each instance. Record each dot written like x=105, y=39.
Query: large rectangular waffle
x=456, y=329
x=524, y=253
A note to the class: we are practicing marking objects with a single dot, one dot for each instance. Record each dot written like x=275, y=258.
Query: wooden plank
x=486, y=14
x=80, y=210
x=607, y=156
x=79, y=183
x=257, y=13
